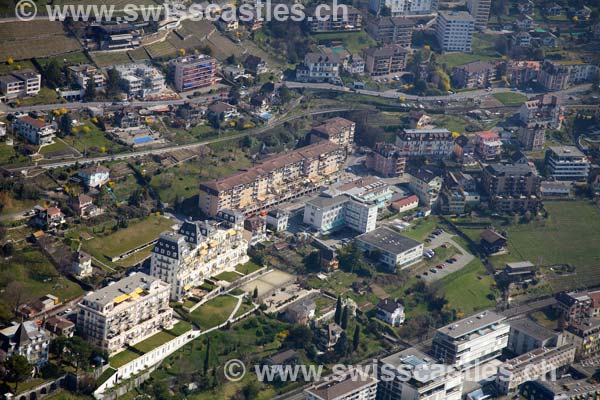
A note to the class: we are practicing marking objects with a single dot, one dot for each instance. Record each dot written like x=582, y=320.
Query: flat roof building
x=472, y=340
x=395, y=251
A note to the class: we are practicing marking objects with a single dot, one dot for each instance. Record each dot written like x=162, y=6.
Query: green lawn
x=36, y=277
x=483, y=50
x=228, y=276
x=570, y=236
x=421, y=228
x=467, y=289
x=213, y=312
x=45, y=96
x=510, y=99
x=122, y=358
x=131, y=237
x=93, y=143
x=353, y=41
x=180, y=328
x=8, y=155
x=248, y=268
x=57, y=146
x=105, y=375
x=153, y=341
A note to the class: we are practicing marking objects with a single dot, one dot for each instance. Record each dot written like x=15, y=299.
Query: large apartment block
x=334, y=19
x=385, y=60
x=454, y=30
x=337, y=130
x=427, y=379
x=199, y=250
x=20, y=84
x=480, y=10
x=328, y=214
x=567, y=163
x=319, y=67
x=531, y=366
x=512, y=187
x=472, y=340
x=432, y=143
x=385, y=159
x=404, y=7
x=141, y=79
x=273, y=180
x=125, y=312
x=193, y=72
x=392, y=30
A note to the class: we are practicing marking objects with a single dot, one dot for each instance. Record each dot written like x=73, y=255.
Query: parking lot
x=462, y=257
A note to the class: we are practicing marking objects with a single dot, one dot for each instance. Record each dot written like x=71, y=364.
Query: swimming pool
x=143, y=139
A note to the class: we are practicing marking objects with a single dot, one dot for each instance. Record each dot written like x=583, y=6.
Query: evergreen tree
x=356, y=338
x=338, y=311
x=112, y=83
x=90, y=90
x=255, y=293
x=66, y=124
x=344, y=323
x=18, y=369
x=207, y=357
x=341, y=347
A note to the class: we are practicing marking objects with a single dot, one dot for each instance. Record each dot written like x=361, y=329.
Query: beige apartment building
x=273, y=180
x=125, y=312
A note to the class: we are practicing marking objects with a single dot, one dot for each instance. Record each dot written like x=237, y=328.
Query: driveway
x=462, y=258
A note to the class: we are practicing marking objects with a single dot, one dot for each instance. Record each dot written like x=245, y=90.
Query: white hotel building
x=472, y=340
x=198, y=251
x=125, y=312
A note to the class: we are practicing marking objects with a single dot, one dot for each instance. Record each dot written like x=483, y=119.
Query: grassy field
x=510, y=99
x=213, y=312
x=131, y=237
x=94, y=143
x=467, y=290
x=123, y=357
x=421, y=228
x=483, y=50
x=353, y=41
x=22, y=41
x=107, y=59
x=74, y=58
x=248, y=268
x=153, y=341
x=228, y=276
x=45, y=96
x=36, y=277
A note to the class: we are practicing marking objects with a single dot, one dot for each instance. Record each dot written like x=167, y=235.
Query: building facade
x=193, y=72
x=125, y=312
x=392, y=30
x=20, y=84
x=328, y=214
x=480, y=10
x=512, y=187
x=199, y=250
x=337, y=130
x=471, y=341
x=33, y=130
x=394, y=250
x=385, y=160
x=567, y=163
x=273, y=180
x=454, y=31
x=431, y=143
x=385, y=60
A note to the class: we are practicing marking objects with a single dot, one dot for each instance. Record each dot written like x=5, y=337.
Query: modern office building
x=273, y=180
x=471, y=341
x=199, y=250
x=412, y=374
x=193, y=72
x=394, y=250
x=454, y=30
x=567, y=163
x=125, y=312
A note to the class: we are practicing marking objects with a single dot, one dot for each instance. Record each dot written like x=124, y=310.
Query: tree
x=311, y=261
x=112, y=82
x=285, y=94
x=207, y=357
x=66, y=125
x=338, y=311
x=79, y=352
x=356, y=338
x=90, y=90
x=299, y=337
x=344, y=323
x=18, y=369
x=341, y=347
x=52, y=74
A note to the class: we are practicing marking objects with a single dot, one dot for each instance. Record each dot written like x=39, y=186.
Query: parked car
x=433, y=271
x=440, y=266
